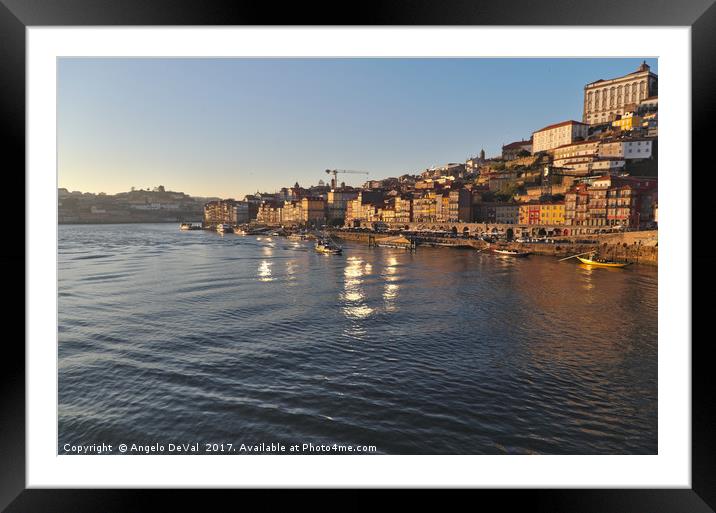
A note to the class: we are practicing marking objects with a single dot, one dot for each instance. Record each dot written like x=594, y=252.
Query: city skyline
x=230, y=127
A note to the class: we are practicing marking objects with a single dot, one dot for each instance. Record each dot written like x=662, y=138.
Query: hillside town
x=597, y=175
x=151, y=205
x=591, y=176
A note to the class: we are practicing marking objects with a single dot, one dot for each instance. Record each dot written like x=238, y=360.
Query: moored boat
x=224, y=228
x=601, y=262
x=510, y=252
x=328, y=247
x=185, y=226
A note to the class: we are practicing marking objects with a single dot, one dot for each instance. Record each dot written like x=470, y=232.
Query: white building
x=627, y=149
x=558, y=134
x=591, y=166
x=605, y=99
x=579, y=151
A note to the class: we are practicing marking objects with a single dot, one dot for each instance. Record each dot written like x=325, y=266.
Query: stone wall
x=620, y=250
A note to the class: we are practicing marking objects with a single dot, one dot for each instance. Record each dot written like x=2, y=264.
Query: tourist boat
x=510, y=252
x=327, y=247
x=601, y=262
x=185, y=226
x=224, y=228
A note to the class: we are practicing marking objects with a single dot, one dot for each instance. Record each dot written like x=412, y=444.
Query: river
x=169, y=336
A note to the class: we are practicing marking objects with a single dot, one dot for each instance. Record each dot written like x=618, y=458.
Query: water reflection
x=390, y=289
x=265, y=271
x=353, y=296
x=586, y=273
x=290, y=271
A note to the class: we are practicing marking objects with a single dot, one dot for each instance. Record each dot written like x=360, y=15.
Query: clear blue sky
x=227, y=127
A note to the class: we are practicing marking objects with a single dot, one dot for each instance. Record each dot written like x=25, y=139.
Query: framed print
x=423, y=250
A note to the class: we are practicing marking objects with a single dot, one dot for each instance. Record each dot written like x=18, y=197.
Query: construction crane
x=334, y=172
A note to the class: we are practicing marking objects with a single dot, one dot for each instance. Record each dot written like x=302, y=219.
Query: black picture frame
x=16, y=15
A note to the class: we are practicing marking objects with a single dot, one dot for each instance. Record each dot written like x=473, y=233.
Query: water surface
x=169, y=336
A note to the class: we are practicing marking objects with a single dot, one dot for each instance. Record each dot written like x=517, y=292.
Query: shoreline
x=633, y=247
x=635, y=253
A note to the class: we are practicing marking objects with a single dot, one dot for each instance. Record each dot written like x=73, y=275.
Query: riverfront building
x=222, y=211
x=313, y=210
x=337, y=204
x=291, y=213
x=610, y=201
x=269, y=212
x=604, y=100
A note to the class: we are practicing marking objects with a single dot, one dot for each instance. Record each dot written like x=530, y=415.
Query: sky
x=230, y=127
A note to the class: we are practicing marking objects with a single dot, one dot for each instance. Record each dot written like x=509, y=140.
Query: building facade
x=551, y=213
x=460, y=205
x=291, y=213
x=627, y=149
x=220, y=212
x=313, y=210
x=610, y=202
x=605, y=99
x=337, y=203
x=241, y=212
x=269, y=213
x=559, y=134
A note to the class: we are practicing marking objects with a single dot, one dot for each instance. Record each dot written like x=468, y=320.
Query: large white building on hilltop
x=605, y=99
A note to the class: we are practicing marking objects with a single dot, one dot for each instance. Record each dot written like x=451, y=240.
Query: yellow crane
x=334, y=172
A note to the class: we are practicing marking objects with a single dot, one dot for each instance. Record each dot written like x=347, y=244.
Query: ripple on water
x=185, y=335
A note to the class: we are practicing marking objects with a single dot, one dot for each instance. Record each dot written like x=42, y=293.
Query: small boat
x=224, y=228
x=510, y=252
x=601, y=262
x=328, y=247
x=185, y=226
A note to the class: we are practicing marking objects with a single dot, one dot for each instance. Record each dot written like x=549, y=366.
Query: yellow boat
x=603, y=263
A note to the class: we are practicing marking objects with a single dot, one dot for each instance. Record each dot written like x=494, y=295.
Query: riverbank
x=633, y=247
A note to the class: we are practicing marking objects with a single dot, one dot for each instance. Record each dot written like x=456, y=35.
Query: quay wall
x=517, y=230
x=622, y=247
